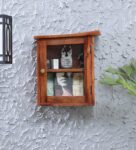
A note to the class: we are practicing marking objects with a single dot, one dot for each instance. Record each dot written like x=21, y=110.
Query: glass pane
x=50, y=84
x=7, y=20
x=65, y=56
x=1, y=58
x=78, y=84
x=1, y=40
x=65, y=84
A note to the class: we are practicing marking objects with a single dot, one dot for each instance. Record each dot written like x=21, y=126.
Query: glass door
x=65, y=71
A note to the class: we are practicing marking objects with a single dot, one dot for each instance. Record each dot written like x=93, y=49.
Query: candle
x=55, y=63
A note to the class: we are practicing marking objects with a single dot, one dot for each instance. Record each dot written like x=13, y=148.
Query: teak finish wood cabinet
x=65, y=69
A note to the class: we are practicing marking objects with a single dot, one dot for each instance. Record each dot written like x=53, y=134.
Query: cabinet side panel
x=87, y=68
x=92, y=72
x=41, y=78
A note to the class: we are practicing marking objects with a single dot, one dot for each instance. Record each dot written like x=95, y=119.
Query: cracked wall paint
x=111, y=124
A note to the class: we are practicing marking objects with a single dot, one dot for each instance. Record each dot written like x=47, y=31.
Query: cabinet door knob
x=42, y=71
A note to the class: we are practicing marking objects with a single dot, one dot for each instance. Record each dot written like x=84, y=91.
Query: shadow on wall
x=62, y=114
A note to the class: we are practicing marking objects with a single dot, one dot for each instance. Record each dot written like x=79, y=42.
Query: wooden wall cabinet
x=71, y=85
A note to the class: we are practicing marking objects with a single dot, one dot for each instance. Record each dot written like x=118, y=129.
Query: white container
x=55, y=63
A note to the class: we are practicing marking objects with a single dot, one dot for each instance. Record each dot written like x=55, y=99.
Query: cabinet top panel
x=82, y=34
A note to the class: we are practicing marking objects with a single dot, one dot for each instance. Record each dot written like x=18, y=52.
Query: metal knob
x=42, y=71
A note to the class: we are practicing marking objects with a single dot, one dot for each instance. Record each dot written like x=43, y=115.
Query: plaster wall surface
x=111, y=123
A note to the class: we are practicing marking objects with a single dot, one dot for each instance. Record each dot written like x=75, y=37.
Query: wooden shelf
x=66, y=70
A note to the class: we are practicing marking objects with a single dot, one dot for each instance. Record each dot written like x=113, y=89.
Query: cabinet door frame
x=41, y=77
x=88, y=98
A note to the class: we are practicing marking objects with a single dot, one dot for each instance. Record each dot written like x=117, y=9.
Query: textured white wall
x=111, y=124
